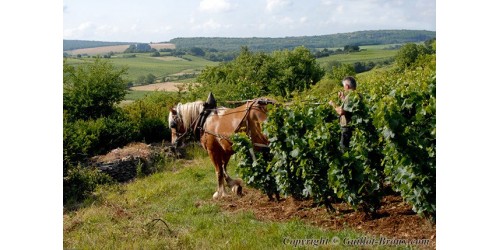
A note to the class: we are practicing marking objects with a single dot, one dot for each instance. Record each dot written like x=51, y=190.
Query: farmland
x=143, y=64
x=376, y=53
x=116, y=49
x=383, y=186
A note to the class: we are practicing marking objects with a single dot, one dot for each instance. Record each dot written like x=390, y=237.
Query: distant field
x=374, y=53
x=116, y=49
x=143, y=64
x=164, y=86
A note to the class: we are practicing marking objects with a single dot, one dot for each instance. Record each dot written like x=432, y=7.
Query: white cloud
x=303, y=19
x=80, y=31
x=273, y=5
x=340, y=8
x=286, y=21
x=327, y=2
x=215, y=6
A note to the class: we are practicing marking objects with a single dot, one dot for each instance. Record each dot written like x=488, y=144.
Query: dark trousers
x=345, y=137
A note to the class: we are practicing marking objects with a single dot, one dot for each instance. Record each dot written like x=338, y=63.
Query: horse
x=215, y=135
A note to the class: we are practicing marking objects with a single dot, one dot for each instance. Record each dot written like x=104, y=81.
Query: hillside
x=83, y=44
x=373, y=37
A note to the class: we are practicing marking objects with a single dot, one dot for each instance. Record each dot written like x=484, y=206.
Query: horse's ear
x=174, y=112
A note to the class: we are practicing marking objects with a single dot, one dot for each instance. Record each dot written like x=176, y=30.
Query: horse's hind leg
x=234, y=184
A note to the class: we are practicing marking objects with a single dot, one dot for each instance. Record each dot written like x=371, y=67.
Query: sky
x=162, y=20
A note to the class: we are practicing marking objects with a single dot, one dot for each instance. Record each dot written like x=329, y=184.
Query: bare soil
x=394, y=220
x=163, y=86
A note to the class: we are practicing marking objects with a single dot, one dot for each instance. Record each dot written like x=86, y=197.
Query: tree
x=150, y=78
x=195, y=51
x=141, y=80
x=407, y=55
x=340, y=71
x=92, y=89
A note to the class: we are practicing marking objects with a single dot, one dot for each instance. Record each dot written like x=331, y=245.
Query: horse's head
x=176, y=125
x=182, y=117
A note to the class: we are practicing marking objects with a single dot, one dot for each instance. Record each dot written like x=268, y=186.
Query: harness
x=199, y=122
x=244, y=121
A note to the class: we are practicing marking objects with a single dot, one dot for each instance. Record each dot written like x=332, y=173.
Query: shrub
x=80, y=182
x=85, y=138
x=92, y=89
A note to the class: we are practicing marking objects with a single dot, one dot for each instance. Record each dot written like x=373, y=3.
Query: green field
x=144, y=64
x=121, y=216
x=374, y=53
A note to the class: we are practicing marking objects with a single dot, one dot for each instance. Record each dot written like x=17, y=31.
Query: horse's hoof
x=238, y=190
x=215, y=196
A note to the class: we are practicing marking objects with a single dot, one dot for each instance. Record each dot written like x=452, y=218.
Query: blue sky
x=162, y=20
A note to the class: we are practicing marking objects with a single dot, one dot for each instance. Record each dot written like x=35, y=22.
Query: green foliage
x=139, y=48
x=340, y=71
x=301, y=139
x=393, y=141
x=324, y=41
x=150, y=115
x=259, y=74
x=150, y=78
x=409, y=53
x=405, y=118
x=307, y=161
x=81, y=181
x=92, y=89
x=85, y=138
x=254, y=169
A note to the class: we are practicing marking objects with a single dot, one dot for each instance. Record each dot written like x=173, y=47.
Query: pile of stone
x=122, y=164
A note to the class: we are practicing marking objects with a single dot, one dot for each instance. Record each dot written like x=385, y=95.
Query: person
x=349, y=100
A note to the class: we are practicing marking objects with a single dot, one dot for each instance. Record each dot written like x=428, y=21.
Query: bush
x=150, y=115
x=85, y=138
x=258, y=74
x=92, y=89
x=80, y=182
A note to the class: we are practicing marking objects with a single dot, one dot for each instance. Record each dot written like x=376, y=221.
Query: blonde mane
x=188, y=112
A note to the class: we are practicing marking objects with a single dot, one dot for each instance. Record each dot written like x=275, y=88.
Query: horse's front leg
x=219, y=173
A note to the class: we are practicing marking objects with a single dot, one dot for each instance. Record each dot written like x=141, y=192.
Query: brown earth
x=394, y=220
x=163, y=86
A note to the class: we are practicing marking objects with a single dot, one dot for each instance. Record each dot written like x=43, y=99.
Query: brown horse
x=217, y=130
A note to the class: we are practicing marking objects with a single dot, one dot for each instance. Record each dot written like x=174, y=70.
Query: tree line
x=325, y=41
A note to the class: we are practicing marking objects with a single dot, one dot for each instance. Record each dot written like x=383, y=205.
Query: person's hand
x=341, y=95
x=331, y=103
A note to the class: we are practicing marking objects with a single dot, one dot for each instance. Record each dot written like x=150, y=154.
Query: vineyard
x=303, y=185
x=393, y=145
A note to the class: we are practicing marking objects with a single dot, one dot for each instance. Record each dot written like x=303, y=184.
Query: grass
x=136, y=95
x=123, y=216
x=375, y=55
